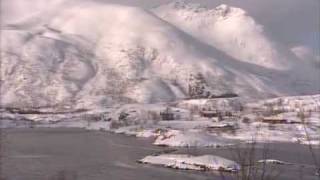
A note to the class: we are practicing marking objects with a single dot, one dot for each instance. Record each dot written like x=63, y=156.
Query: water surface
x=75, y=154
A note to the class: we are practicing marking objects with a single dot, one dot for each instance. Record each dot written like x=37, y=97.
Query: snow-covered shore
x=188, y=127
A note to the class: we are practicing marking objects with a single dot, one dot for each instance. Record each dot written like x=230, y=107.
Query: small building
x=275, y=120
x=167, y=114
x=209, y=113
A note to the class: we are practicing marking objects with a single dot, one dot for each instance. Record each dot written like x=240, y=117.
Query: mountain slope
x=98, y=54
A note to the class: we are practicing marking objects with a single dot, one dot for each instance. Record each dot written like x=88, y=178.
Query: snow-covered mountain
x=227, y=28
x=83, y=53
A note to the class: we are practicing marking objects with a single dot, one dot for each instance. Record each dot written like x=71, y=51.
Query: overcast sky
x=292, y=22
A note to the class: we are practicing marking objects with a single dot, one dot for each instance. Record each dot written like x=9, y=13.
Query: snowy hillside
x=85, y=54
x=227, y=28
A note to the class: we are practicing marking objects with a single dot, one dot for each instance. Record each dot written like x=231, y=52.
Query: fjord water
x=75, y=154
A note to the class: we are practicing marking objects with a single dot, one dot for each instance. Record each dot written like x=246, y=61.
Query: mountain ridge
x=95, y=55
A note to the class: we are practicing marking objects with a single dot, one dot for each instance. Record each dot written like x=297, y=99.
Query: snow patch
x=191, y=139
x=188, y=162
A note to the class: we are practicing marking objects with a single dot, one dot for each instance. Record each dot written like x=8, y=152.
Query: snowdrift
x=191, y=139
x=188, y=162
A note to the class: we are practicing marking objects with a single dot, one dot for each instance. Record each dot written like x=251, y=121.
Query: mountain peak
x=225, y=10
x=222, y=10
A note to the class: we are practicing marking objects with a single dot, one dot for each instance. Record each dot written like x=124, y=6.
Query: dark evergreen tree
x=197, y=86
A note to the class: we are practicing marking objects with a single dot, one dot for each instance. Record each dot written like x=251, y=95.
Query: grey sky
x=291, y=22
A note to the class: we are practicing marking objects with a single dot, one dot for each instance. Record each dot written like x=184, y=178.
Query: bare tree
x=302, y=116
